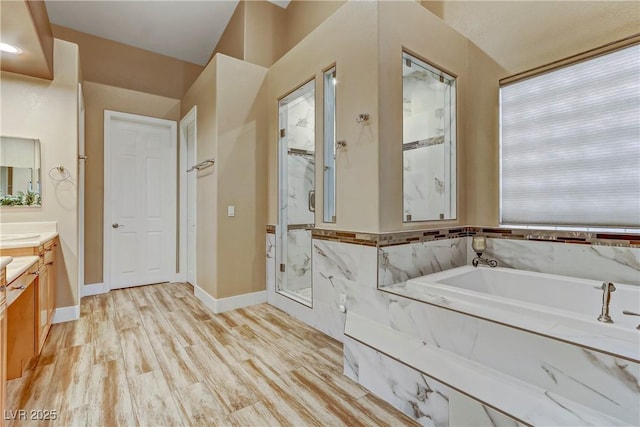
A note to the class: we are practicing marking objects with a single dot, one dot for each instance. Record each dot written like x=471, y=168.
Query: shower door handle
x=312, y=200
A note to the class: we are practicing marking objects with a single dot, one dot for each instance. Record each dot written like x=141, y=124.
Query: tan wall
x=242, y=168
x=369, y=172
x=116, y=64
x=349, y=40
x=231, y=42
x=229, y=96
x=265, y=33
x=482, y=150
x=410, y=26
x=303, y=16
x=41, y=23
x=48, y=110
x=99, y=97
x=203, y=94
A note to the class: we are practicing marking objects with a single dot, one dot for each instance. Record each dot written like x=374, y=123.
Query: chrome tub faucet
x=607, y=288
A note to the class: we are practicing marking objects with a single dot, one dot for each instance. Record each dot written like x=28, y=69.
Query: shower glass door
x=296, y=193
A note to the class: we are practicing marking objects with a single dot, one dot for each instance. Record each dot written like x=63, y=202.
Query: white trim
x=190, y=117
x=66, y=314
x=94, y=289
x=108, y=117
x=81, y=187
x=230, y=303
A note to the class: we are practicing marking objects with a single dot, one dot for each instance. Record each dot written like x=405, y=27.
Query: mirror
x=428, y=141
x=19, y=172
x=329, y=214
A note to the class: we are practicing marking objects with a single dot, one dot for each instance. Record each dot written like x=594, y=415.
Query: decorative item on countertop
x=479, y=245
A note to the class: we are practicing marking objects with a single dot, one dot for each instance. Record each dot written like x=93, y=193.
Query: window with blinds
x=570, y=145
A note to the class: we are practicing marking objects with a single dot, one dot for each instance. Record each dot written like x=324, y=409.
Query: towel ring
x=59, y=173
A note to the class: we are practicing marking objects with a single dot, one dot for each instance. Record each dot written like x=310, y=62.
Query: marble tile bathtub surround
x=400, y=263
x=619, y=264
x=421, y=398
x=608, y=384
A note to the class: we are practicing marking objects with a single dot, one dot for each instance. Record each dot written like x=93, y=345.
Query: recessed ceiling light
x=5, y=47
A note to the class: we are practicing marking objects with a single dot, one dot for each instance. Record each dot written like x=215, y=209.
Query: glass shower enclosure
x=296, y=198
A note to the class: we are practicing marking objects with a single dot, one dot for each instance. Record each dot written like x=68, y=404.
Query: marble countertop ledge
x=517, y=399
x=19, y=265
x=566, y=330
x=4, y=261
x=31, y=242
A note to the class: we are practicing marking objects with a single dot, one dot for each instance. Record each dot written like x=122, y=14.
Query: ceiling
x=517, y=34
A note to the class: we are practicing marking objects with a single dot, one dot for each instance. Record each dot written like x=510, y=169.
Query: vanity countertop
x=15, y=269
x=19, y=265
x=25, y=240
x=4, y=261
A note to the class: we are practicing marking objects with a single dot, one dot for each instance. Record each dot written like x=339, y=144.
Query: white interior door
x=191, y=203
x=140, y=199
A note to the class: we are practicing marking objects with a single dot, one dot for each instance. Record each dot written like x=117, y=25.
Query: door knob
x=116, y=225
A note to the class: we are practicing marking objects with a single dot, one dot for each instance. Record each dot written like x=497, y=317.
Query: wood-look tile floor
x=155, y=356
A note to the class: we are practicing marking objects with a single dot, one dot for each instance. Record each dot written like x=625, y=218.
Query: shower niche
x=296, y=198
x=428, y=141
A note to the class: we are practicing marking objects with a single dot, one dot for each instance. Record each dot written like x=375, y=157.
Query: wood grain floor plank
x=234, y=391
x=255, y=415
x=156, y=356
x=138, y=354
x=71, y=370
x=174, y=362
x=184, y=325
x=72, y=417
x=153, y=401
x=109, y=396
x=175, y=290
x=201, y=406
x=139, y=296
x=106, y=340
x=382, y=413
x=277, y=397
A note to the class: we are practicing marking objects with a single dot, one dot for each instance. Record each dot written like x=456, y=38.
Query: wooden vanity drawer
x=49, y=255
x=14, y=288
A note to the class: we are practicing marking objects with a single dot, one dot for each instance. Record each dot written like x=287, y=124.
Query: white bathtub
x=544, y=298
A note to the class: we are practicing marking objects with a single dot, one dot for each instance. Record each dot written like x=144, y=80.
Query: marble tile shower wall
x=337, y=268
x=298, y=259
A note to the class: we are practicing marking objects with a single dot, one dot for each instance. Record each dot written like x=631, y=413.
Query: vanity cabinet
x=21, y=321
x=45, y=292
x=46, y=302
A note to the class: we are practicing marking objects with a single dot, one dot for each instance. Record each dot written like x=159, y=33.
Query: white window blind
x=570, y=145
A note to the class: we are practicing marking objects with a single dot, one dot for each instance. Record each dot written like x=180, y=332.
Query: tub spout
x=607, y=288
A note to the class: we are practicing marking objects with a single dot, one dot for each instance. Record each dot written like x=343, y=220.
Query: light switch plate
x=231, y=211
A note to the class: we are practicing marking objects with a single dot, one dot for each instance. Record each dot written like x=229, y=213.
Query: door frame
x=109, y=115
x=190, y=117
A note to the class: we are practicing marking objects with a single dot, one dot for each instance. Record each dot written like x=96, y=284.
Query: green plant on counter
x=21, y=199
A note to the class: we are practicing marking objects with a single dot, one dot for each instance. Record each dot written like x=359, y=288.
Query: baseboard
x=93, y=289
x=230, y=303
x=66, y=314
